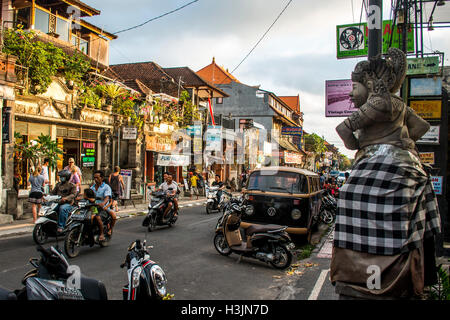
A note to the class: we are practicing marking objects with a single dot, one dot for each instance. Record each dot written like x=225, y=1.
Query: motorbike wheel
x=151, y=225
x=327, y=217
x=70, y=247
x=39, y=235
x=285, y=258
x=209, y=207
x=221, y=245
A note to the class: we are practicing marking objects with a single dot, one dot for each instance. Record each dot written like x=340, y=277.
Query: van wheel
x=221, y=245
x=283, y=258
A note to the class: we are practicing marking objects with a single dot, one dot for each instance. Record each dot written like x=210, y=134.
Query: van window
x=285, y=182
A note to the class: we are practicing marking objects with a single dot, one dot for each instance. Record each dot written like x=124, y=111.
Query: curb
x=9, y=230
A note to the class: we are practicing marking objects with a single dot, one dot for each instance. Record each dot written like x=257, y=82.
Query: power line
x=262, y=36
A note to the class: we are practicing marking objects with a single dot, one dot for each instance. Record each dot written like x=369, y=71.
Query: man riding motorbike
x=67, y=191
x=103, y=195
x=169, y=183
x=221, y=186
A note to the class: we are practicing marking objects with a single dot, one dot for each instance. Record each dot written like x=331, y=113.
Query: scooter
x=214, y=204
x=156, y=208
x=47, y=224
x=270, y=243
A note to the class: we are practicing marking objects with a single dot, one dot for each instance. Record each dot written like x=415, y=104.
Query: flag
x=211, y=112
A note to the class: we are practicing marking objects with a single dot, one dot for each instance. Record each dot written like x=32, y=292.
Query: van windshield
x=286, y=182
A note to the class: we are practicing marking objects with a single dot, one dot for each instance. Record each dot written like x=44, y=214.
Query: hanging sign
x=214, y=138
x=427, y=109
x=291, y=157
x=427, y=157
x=431, y=136
x=337, y=98
x=129, y=133
x=437, y=184
x=425, y=87
x=291, y=131
x=426, y=65
x=88, y=154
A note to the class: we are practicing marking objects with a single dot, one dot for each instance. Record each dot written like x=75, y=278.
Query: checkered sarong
x=386, y=207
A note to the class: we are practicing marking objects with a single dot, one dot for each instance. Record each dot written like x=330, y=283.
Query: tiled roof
x=216, y=74
x=293, y=102
x=150, y=74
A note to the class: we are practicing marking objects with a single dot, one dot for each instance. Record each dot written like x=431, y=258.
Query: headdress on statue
x=391, y=70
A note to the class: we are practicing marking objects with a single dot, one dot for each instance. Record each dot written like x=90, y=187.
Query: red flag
x=211, y=112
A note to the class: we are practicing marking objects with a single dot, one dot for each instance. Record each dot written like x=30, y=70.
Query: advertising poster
x=88, y=154
x=427, y=157
x=126, y=175
x=425, y=87
x=437, y=184
x=427, y=109
x=337, y=98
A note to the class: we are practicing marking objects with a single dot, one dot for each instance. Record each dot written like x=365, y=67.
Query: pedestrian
x=71, y=165
x=47, y=186
x=233, y=184
x=200, y=183
x=193, y=179
x=117, y=186
x=36, y=181
x=75, y=178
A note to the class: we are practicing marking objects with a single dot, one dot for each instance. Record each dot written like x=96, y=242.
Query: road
x=194, y=269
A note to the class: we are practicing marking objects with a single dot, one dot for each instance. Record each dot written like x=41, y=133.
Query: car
x=341, y=177
x=334, y=173
x=283, y=196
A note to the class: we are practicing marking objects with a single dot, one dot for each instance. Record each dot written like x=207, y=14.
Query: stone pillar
x=105, y=151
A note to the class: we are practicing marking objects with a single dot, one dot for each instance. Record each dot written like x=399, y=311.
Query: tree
x=345, y=163
x=315, y=144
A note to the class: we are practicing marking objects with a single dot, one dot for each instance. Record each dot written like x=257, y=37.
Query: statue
x=387, y=210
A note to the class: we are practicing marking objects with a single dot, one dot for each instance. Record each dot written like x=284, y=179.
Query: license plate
x=291, y=246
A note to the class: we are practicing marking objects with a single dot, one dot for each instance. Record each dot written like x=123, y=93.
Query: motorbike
x=156, y=208
x=82, y=229
x=47, y=224
x=212, y=201
x=267, y=243
x=53, y=279
x=328, y=208
x=146, y=279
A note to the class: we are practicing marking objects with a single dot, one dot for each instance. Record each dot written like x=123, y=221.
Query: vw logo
x=271, y=212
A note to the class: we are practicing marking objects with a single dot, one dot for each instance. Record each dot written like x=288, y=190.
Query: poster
x=427, y=109
x=352, y=39
x=126, y=175
x=88, y=154
x=425, y=87
x=427, y=157
x=337, y=98
x=437, y=184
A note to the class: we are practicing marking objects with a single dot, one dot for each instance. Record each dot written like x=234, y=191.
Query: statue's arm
x=417, y=127
x=346, y=133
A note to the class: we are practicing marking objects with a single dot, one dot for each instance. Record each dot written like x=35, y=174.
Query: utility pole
x=375, y=24
x=405, y=25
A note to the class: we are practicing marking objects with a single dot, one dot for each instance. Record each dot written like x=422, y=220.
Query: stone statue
x=387, y=210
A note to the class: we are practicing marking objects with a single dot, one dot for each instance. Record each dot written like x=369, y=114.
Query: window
x=62, y=28
x=284, y=182
x=41, y=20
x=219, y=100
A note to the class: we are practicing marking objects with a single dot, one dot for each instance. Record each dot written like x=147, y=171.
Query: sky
x=295, y=57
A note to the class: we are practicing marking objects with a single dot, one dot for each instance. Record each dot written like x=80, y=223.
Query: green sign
x=352, y=39
x=425, y=65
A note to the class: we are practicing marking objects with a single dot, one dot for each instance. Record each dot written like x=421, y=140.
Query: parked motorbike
x=83, y=230
x=269, y=243
x=47, y=224
x=156, y=208
x=328, y=208
x=53, y=279
x=146, y=279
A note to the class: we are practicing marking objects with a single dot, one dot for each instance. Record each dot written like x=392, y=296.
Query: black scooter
x=156, y=208
x=270, y=243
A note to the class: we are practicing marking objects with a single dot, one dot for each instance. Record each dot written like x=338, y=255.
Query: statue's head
x=391, y=71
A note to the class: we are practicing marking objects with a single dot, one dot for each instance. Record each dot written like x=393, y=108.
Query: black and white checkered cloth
x=386, y=207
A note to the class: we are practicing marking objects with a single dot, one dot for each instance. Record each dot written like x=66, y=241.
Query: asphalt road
x=195, y=270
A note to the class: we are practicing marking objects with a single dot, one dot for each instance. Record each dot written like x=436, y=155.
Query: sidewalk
x=19, y=227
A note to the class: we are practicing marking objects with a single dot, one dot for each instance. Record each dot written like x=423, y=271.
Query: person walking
x=36, y=181
x=45, y=174
x=75, y=179
x=117, y=185
x=72, y=165
x=193, y=179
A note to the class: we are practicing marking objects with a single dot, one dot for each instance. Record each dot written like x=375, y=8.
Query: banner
x=426, y=65
x=428, y=109
x=176, y=160
x=337, y=98
x=352, y=39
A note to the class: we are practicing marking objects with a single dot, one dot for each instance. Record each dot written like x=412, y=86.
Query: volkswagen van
x=283, y=196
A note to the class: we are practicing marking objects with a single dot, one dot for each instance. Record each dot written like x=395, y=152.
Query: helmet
x=64, y=175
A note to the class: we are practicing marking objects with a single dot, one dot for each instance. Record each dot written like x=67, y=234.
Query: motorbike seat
x=7, y=295
x=93, y=289
x=259, y=228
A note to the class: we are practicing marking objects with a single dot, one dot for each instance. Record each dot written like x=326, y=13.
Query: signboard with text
x=425, y=87
x=427, y=109
x=129, y=133
x=337, y=98
x=427, y=157
x=431, y=136
x=88, y=154
x=425, y=65
x=126, y=175
x=437, y=184
x=291, y=131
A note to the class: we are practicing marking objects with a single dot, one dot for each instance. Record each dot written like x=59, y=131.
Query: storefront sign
x=129, y=133
x=291, y=157
x=337, y=98
x=352, y=39
x=426, y=87
x=426, y=65
x=127, y=176
x=159, y=144
x=292, y=131
x=427, y=109
x=6, y=125
x=214, y=138
x=431, y=136
x=88, y=154
x=437, y=184
x=427, y=157
x=176, y=160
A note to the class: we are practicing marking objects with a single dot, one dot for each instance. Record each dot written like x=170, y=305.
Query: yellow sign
x=427, y=109
x=427, y=157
